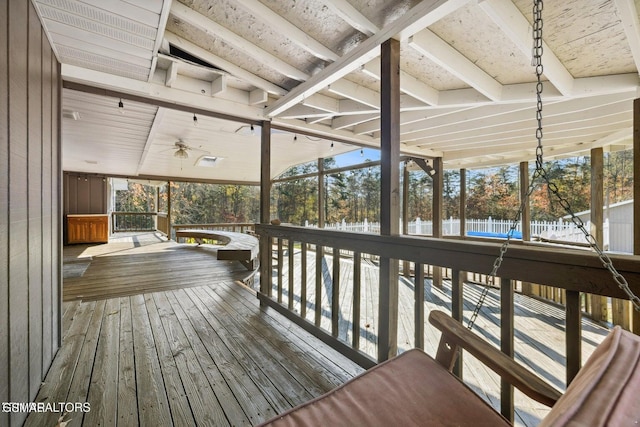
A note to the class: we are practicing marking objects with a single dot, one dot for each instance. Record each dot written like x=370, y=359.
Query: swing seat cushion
x=606, y=391
x=409, y=390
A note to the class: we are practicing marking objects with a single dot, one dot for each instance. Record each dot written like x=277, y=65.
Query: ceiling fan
x=182, y=150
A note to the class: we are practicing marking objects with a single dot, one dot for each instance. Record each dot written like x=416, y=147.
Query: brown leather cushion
x=409, y=390
x=606, y=391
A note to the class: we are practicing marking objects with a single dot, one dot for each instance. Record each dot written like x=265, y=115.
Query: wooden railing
x=238, y=227
x=572, y=271
x=162, y=223
x=133, y=221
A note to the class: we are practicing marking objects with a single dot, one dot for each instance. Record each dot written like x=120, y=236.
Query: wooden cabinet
x=87, y=228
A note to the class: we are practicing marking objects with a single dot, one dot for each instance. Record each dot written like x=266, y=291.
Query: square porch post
x=265, y=207
x=390, y=195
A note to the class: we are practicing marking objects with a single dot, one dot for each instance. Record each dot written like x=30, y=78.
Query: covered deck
x=169, y=336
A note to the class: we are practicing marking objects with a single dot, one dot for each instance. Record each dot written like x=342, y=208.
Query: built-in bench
x=237, y=246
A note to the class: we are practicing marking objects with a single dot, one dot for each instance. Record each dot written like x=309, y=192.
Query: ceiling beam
x=420, y=16
x=408, y=84
x=231, y=68
x=162, y=25
x=293, y=33
x=628, y=14
x=348, y=121
x=352, y=16
x=157, y=120
x=100, y=83
x=208, y=26
x=443, y=54
x=509, y=19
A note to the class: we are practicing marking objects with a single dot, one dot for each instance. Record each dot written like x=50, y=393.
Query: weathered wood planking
x=235, y=363
x=127, y=390
x=4, y=214
x=153, y=405
x=18, y=235
x=155, y=265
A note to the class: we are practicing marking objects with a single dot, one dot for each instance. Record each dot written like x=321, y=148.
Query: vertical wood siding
x=30, y=279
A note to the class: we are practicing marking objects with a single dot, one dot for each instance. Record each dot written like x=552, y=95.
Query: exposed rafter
x=420, y=16
x=221, y=63
x=293, y=33
x=205, y=24
x=628, y=13
x=508, y=17
x=352, y=16
x=436, y=49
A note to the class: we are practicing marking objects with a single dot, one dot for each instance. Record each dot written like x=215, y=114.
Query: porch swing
x=414, y=389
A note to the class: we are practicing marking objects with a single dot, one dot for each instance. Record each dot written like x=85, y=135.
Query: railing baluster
x=357, y=274
x=319, y=278
x=418, y=284
x=303, y=280
x=291, y=270
x=506, y=344
x=280, y=256
x=457, y=307
x=335, y=293
x=573, y=334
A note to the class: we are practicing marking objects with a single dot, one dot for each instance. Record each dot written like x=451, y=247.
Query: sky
x=354, y=157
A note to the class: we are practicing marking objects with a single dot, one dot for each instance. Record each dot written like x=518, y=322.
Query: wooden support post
x=265, y=208
x=598, y=303
x=463, y=202
x=406, y=265
x=321, y=203
x=438, y=202
x=573, y=329
x=389, y=195
x=635, y=320
x=506, y=344
x=169, y=220
x=457, y=310
x=526, y=214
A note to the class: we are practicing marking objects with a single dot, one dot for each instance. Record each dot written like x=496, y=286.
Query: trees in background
x=354, y=196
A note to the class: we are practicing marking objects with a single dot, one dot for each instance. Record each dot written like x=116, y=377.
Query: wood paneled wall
x=30, y=205
x=85, y=194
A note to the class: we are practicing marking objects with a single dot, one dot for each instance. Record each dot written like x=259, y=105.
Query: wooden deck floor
x=134, y=263
x=205, y=356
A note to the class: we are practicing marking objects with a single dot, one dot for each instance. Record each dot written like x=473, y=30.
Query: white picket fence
x=548, y=230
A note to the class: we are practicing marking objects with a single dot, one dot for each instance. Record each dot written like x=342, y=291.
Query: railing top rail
x=217, y=224
x=133, y=213
x=569, y=269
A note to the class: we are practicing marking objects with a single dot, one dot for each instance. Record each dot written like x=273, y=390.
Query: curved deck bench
x=237, y=246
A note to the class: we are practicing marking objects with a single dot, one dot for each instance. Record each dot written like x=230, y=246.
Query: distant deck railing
x=237, y=227
x=570, y=271
x=133, y=221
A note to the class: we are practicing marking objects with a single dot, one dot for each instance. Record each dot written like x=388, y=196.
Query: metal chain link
x=540, y=172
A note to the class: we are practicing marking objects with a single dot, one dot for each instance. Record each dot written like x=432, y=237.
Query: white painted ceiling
x=468, y=91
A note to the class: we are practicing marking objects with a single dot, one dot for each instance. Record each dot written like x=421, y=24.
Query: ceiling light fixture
x=331, y=148
x=253, y=131
x=121, y=106
x=361, y=152
x=295, y=138
x=195, y=120
x=181, y=154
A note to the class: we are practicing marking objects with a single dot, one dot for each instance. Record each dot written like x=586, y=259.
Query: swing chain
x=540, y=172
